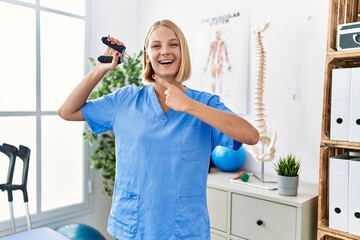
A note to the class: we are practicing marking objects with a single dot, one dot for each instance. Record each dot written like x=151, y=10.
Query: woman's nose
x=164, y=50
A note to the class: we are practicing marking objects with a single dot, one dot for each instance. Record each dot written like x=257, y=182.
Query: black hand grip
x=259, y=222
x=118, y=48
x=108, y=59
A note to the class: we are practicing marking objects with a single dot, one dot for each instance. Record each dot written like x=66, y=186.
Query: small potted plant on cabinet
x=288, y=168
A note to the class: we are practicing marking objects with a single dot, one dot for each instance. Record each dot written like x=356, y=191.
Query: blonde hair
x=185, y=63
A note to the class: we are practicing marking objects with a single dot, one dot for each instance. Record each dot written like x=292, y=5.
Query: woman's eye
x=174, y=45
x=155, y=46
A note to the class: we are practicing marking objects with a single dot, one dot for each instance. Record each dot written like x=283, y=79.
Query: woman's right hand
x=111, y=52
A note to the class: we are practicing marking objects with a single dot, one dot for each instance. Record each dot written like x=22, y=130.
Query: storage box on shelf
x=348, y=37
x=340, y=12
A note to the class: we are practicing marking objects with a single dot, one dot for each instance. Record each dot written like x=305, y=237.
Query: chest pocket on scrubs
x=190, y=217
x=124, y=211
x=195, y=143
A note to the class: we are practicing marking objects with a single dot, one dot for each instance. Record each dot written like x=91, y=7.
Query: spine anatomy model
x=265, y=150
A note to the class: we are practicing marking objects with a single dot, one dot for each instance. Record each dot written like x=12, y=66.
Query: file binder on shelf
x=339, y=192
x=344, y=192
x=354, y=196
x=354, y=121
x=340, y=104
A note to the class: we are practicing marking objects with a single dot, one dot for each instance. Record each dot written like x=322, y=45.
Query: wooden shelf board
x=326, y=231
x=343, y=54
x=340, y=144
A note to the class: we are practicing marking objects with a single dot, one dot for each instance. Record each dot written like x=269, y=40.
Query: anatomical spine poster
x=222, y=58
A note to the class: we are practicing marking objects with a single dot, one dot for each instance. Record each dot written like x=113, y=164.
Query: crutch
x=11, y=152
x=24, y=154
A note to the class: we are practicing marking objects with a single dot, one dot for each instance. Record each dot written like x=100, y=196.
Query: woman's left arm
x=230, y=124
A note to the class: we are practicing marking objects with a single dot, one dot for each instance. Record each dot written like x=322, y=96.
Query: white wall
x=295, y=48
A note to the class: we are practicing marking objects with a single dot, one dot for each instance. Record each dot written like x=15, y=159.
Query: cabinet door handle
x=259, y=222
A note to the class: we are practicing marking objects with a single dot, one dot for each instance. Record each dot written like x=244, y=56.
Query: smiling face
x=162, y=56
x=164, y=53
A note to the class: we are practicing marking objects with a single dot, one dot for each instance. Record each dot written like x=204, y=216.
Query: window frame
x=52, y=216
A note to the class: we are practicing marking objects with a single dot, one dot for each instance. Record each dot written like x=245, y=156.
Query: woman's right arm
x=71, y=108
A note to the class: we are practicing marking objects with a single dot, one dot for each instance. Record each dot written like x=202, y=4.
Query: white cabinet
x=254, y=218
x=217, y=202
x=214, y=236
x=239, y=211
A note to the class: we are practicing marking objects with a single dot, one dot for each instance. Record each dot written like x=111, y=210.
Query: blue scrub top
x=162, y=162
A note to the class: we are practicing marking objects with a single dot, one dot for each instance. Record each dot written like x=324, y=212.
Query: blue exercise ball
x=227, y=159
x=80, y=232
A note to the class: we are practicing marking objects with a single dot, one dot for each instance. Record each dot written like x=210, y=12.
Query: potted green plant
x=103, y=157
x=287, y=168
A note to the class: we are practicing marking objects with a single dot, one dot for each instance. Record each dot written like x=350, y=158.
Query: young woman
x=164, y=135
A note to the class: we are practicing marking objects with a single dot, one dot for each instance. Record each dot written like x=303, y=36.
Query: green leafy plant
x=288, y=166
x=103, y=158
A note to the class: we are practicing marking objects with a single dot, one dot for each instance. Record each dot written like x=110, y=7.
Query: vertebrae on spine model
x=266, y=151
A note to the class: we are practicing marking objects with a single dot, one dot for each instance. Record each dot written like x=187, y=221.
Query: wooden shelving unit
x=340, y=11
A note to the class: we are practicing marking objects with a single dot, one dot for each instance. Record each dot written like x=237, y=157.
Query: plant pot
x=288, y=186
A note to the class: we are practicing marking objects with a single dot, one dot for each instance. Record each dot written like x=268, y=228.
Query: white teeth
x=166, y=61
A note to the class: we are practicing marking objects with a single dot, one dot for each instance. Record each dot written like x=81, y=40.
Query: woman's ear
x=147, y=60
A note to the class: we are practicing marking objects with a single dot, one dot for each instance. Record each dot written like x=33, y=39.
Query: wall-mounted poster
x=222, y=58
